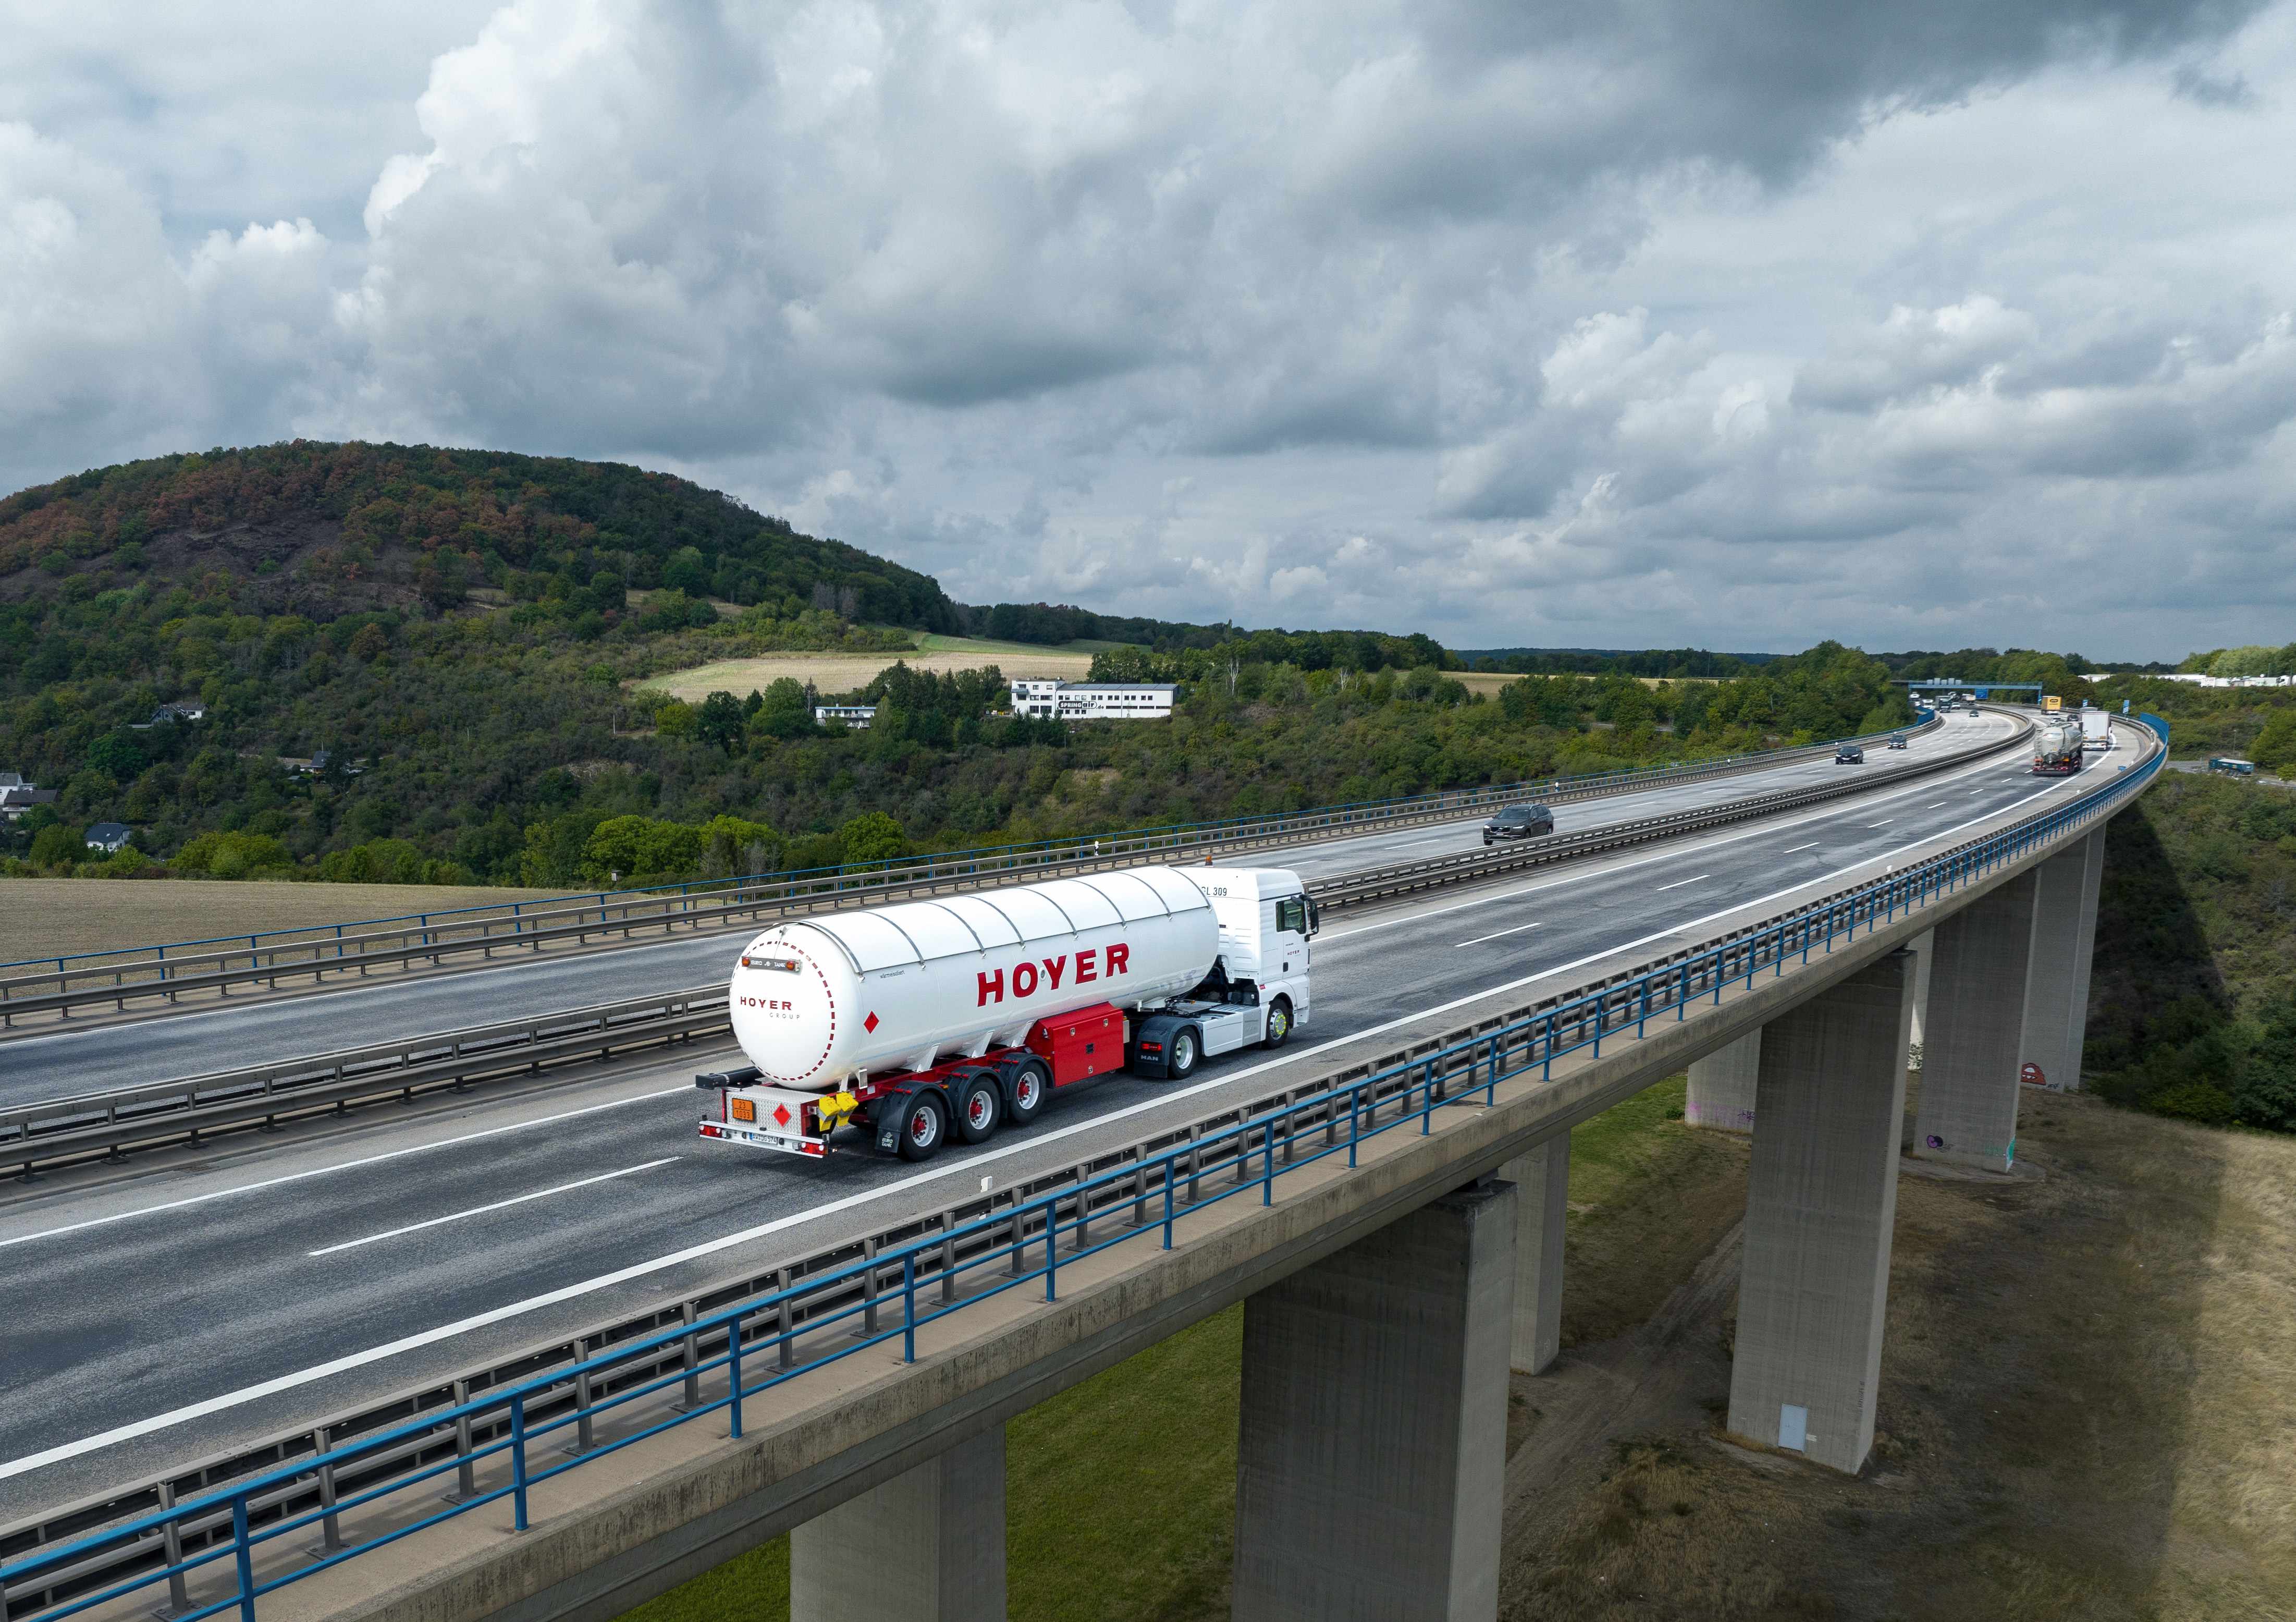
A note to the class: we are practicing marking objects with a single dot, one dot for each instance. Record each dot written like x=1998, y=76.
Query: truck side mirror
x=1315, y=916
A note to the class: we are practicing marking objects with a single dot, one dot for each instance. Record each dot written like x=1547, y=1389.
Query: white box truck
x=917, y=1021
x=2096, y=729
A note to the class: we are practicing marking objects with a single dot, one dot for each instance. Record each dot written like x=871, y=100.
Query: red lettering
x=992, y=988
x=1054, y=968
x=1086, y=969
x=1120, y=958
x=1022, y=988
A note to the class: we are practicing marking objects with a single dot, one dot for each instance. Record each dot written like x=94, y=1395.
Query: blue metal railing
x=861, y=874
x=838, y=1313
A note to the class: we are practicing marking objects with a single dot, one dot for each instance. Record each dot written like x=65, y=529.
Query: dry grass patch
x=2086, y=1413
x=51, y=915
x=844, y=673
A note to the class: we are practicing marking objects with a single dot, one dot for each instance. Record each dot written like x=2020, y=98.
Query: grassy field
x=843, y=672
x=47, y=916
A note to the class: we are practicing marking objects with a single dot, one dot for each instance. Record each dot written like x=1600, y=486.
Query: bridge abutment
x=1722, y=1086
x=1822, y=1196
x=1373, y=1436
x=926, y=1546
x=1542, y=1184
x=1979, y=993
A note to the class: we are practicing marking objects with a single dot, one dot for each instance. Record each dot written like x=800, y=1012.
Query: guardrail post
x=947, y=1221
x=243, y=1558
x=869, y=1285
x=583, y=1434
x=734, y=1376
x=1016, y=1236
x=688, y=1355
x=1052, y=1243
x=1084, y=1211
x=784, y=1317
x=1168, y=1203
x=909, y=1306
x=171, y=1544
x=1355, y=1123
x=1268, y=1163
x=330, y=1530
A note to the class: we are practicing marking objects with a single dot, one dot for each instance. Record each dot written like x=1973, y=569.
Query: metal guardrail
x=103, y=1124
x=81, y=981
x=705, y=1354
x=106, y=1123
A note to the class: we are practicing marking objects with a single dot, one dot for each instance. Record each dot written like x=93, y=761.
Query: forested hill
x=323, y=530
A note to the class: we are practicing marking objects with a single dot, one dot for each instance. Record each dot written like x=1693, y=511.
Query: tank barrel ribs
x=962, y=1015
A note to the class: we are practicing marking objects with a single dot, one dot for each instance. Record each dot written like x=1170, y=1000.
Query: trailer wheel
x=1279, y=1023
x=978, y=1105
x=923, y=1125
x=1180, y=1055
x=1032, y=1087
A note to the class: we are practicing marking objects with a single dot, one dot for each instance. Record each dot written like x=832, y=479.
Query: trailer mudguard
x=1151, y=1041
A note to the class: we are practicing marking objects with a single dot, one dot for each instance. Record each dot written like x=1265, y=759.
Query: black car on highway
x=1897, y=740
x=1849, y=754
x=1519, y=822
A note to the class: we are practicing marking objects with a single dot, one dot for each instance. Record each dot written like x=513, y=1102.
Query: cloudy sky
x=1561, y=322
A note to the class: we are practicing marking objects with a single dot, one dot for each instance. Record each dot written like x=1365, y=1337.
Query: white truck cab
x=1256, y=991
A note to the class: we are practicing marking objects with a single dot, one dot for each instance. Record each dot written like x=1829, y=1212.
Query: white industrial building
x=857, y=716
x=1094, y=700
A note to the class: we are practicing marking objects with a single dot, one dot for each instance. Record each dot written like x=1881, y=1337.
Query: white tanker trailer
x=2057, y=745
x=915, y=1021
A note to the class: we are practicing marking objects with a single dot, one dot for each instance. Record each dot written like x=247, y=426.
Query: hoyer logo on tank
x=1092, y=963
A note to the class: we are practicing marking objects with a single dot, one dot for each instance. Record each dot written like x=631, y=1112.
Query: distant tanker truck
x=957, y=1016
x=2057, y=745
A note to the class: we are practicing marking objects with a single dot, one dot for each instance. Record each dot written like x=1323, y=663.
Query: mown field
x=832, y=673
x=48, y=915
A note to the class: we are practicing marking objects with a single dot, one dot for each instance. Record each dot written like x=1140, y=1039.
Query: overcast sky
x=1564, y=322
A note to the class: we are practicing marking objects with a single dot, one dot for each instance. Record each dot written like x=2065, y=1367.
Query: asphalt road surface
x=67, y=1063
x=200, y=1298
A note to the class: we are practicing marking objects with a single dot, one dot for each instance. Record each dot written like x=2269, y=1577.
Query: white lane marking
x=1679, y=883
x=713, y=1246
x=1932, y=805
x=1670, y=854
x=500, y=1205
x=578, y=957
x=1885, y=822
x=1496, y=934
x=1812, y=846
x=346, y=1165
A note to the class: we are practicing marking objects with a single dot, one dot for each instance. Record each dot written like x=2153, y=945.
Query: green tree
x=720, y=721
x=2275, y=748
x=782, y=712
x=870, y=838
x=117, y=754
x=57, y=846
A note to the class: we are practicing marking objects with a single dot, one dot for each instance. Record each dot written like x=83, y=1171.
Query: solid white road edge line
x=1480, y=900
x=304, y=1000
x=341, y=1165
x=500, y=1205
x=1679, y=883
x=639, y=1269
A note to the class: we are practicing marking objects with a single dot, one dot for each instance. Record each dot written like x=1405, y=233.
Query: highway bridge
x=241, y=1349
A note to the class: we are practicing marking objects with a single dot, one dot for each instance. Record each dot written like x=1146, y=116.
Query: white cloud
x=1614, y=325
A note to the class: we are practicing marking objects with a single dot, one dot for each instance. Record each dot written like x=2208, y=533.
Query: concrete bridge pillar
x=1373, y=1438
x=2064, y=939
x=1821, y=1200
x=1979, y=996
x=926, y=1546
x=1542, y=1184
x=1922, y=946
x=1722, y=1086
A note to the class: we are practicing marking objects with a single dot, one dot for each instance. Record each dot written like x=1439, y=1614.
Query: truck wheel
x=978, y=1105
x=1032, y=1087
x=1180, y=1056
x=1279, y=1023
x=923, y=1127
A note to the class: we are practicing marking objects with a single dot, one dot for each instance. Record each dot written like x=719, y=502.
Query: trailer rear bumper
x=750, y=1137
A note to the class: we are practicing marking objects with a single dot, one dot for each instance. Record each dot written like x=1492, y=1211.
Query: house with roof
x=109, y=836
x=17, y=796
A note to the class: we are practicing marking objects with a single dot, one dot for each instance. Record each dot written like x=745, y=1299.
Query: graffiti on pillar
x=1934, y=1141
x=2032, y=1076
